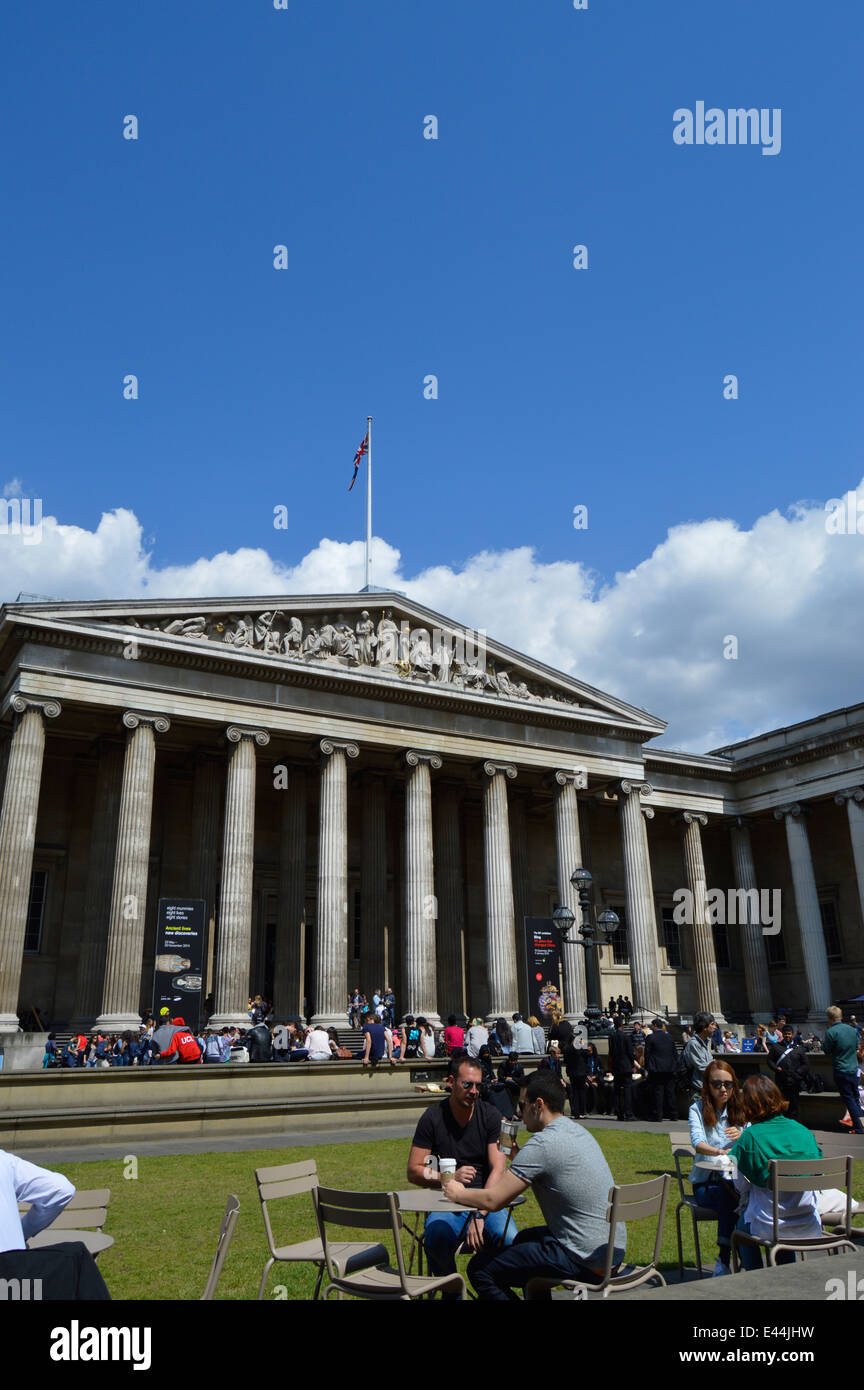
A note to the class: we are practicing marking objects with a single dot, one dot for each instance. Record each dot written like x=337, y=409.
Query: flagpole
x=368, y=495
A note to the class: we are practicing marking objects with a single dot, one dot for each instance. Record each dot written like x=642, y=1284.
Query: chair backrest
x=811, y=1175
x=90, y=1219
x=226, y=1231
x=681, y=1149
x=366, y=1211
x=286, y=1180
x=632, y=1202
x=93, y=1197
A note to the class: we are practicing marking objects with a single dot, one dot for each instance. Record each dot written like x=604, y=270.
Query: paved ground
x=831, y=1143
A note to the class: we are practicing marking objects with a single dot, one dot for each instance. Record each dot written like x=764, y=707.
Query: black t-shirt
x=439, y=1131
x=561, y=1032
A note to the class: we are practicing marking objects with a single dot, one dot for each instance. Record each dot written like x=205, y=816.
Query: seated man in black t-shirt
x=466, y=1128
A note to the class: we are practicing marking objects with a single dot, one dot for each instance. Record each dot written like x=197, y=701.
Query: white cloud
x=789, y=592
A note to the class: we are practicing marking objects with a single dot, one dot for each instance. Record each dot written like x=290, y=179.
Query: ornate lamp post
x=594, y=935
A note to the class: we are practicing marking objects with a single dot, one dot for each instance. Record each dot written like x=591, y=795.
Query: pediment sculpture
x=436, y=657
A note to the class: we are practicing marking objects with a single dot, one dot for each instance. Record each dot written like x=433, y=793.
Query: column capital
x=690, y=818
x=648, y=812
x=132, y=719
x=795, y=809
x=568, y=777
x=414, y=757
x=741, y=822
x=21, y=703
x=329, y=746
x=234, y=734
x=850, y=794
x=624, y=786
x=491, y=769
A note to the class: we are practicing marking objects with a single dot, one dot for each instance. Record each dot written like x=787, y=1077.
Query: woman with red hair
x=716, y=1122
x=772, y=1135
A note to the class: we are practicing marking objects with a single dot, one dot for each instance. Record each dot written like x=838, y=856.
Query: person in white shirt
x=523, y=1038
x=48, y=1193
x=476, y=1037
x=318, y=1045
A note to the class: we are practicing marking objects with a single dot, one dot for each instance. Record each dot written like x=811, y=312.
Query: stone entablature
x=388, y=645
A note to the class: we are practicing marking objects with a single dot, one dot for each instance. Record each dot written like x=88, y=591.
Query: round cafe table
x=419, y=1202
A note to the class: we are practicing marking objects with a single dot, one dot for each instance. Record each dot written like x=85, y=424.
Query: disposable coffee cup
x=447, y=1168
x=507, y=1136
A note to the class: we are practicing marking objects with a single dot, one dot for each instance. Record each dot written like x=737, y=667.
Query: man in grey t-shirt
x=565, y=1167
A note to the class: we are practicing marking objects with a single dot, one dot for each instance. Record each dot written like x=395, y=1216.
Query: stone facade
x=366, y=793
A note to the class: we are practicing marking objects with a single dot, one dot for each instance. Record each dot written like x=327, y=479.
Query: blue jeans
x=847, y=1084
x=751, y=1255
x=535, y=1253
x=444, y=1231
x=722, y=1198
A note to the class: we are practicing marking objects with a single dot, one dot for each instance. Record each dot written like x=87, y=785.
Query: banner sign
x=177, y=974
x=543, y=965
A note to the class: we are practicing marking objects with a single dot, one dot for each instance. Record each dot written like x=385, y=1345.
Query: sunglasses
x=470, y=1085
x=722, y=1085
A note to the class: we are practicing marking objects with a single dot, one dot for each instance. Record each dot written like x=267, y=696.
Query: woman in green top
x=771, y=1135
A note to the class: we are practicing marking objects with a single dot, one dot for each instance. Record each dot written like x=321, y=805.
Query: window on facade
x=36, y=911
x=721, y=946
x=355, y=938
x=618, y=940
x=830, y=930
x=774, y=949
x=672, y=939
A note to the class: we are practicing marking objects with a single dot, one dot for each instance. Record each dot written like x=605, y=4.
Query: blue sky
x=409, y=257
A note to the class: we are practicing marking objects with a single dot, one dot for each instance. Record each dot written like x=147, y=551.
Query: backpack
x=412, y=1041
x=495, y=1048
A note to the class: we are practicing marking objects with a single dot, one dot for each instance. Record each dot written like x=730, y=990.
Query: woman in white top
x=716, y=1122
x=427, y=1038
x=476, y=1037
x=318, y=1045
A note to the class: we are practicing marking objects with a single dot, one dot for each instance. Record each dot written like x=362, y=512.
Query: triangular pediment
x=376, y=636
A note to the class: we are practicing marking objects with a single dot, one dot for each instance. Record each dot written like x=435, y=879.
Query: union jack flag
x=358, y=458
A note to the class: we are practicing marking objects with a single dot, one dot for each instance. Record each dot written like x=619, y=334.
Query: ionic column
x=234, y=946
x=451, y=899
x=501, y=958
x=291, y=906
x=641, y=922
x=421, y=907
x=373, y=882
x=517, y=811
x=704, y=954
x=331, y=956
x=807, y=911
x=568, y=856
x=756, y=976
x=121, y=993
x=90, y=974
x=854, y=799
x=17, y=843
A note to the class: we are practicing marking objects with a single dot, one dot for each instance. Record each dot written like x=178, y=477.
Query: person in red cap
x=183, y=1043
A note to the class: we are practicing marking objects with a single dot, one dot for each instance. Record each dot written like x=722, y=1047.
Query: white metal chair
x=289, y=1180
x=682, y=1149
x=803, y=1175
x=226, y=1232
x=631, y=1202
x=81, y=1220
x=377, y=1211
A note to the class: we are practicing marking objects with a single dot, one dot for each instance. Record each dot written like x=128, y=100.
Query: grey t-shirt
x=571, y=1180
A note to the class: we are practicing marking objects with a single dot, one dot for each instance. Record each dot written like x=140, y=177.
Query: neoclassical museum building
x=364, y=792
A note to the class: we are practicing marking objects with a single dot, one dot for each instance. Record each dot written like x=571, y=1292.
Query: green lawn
x=165, y=1222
